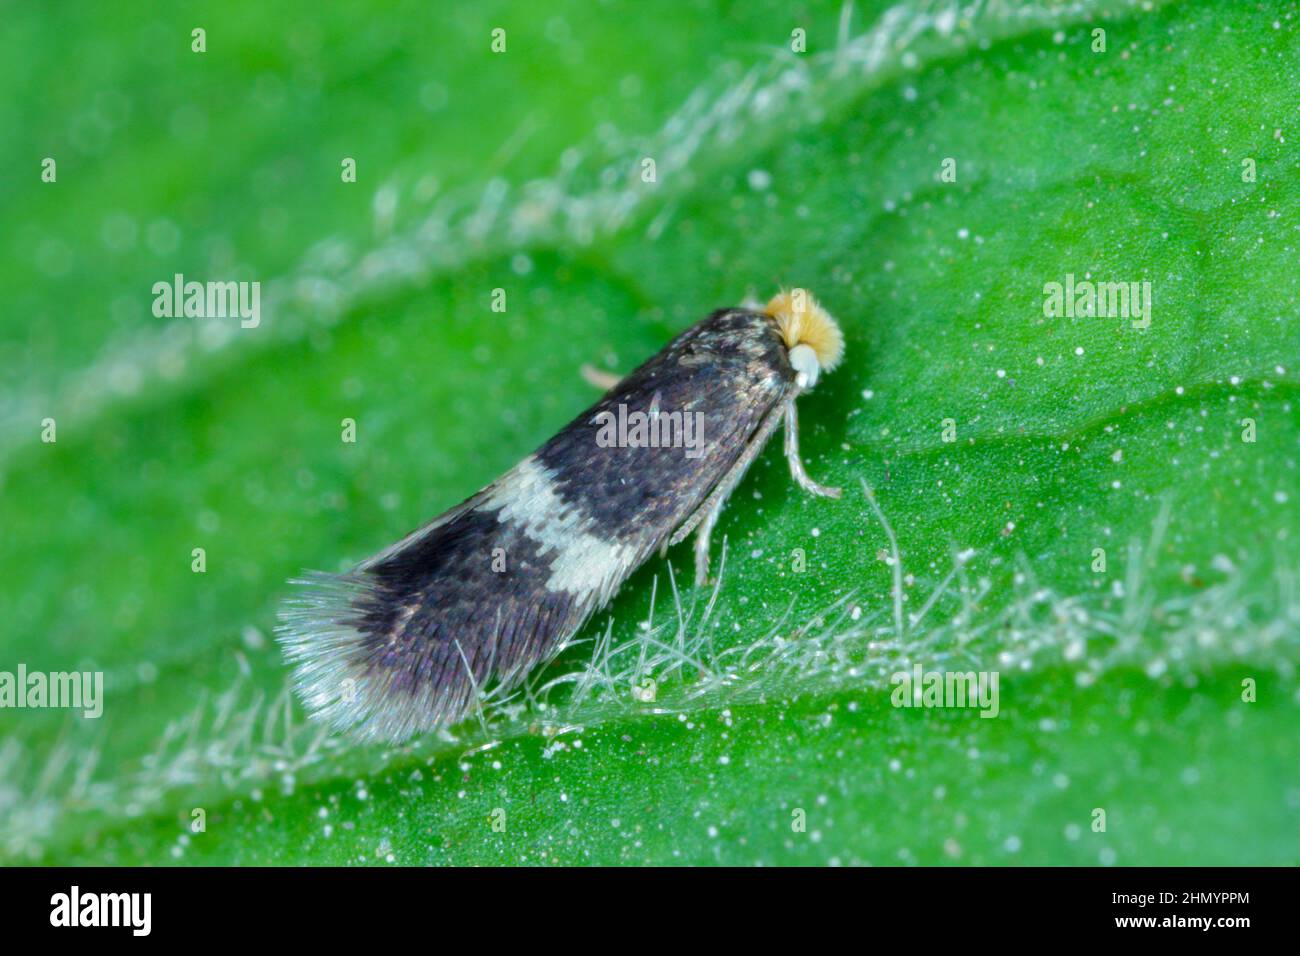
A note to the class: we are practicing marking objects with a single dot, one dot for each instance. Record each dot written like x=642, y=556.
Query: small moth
x=482, y=594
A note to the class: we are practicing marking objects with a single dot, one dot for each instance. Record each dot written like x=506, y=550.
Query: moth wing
x=409, y=639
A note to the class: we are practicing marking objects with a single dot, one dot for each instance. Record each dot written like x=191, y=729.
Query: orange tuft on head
x=803, y=322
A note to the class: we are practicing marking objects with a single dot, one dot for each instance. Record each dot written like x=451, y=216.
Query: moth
x=406, y=641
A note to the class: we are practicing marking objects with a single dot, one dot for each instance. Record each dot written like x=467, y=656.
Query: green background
x=1121, y=690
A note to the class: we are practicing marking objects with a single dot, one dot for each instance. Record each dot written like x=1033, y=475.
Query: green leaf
x=1101, y=511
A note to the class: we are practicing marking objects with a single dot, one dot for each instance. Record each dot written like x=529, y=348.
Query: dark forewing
x=487, y=591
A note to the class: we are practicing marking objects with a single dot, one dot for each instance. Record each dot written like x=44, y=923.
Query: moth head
x=812, y=338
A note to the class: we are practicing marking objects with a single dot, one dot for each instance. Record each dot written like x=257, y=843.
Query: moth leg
x=792, y=456
x=702, y=543
x=599, y=378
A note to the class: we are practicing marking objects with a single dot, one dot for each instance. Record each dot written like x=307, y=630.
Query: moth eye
x=804, y=361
